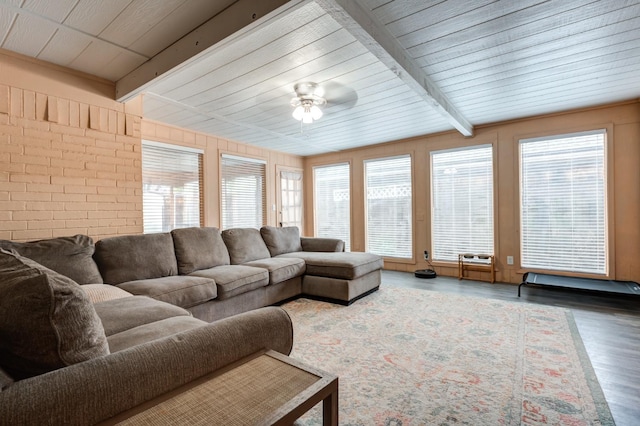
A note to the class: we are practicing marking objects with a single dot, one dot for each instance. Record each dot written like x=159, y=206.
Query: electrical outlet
x=509, y=260
x=426, y=255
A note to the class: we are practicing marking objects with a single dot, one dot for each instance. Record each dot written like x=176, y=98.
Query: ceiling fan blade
x=339, y=96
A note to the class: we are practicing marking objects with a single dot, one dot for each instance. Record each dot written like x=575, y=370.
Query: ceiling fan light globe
x=315, y=113
x=307, y=118
x=298, y=112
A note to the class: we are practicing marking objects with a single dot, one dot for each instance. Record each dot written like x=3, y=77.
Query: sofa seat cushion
x=46, y=320
x=281, y=240
x=346, y=265
x=199, y=248
x=103, y=292
x=118, y=315
x=232, y=280
x=152, y=331
x=280, y=268
x=69, y=256
x=136, y=257
x=245, y=245
x=178, y=290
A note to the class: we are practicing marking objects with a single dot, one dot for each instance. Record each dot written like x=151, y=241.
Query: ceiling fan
x=311, y=98
x=308, y=101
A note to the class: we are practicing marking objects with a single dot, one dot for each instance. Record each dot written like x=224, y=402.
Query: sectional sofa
x=90, y=331
x=217, y=274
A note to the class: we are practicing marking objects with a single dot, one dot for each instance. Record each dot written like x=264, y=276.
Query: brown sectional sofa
x=74, y=350
x=217, y=274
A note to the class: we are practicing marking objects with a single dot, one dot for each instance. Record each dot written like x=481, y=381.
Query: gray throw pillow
x=46, y=319
x=281, y=240
x=69, y=256
x=245, y=245
x=199, y=248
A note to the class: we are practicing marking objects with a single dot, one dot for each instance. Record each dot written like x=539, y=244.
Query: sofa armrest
x=96, y=390
x=321, y=244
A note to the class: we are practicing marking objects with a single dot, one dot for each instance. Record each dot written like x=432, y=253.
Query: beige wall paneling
x=622, y=122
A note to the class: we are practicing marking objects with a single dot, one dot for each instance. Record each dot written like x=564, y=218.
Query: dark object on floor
x=426, y=273
x=608, y=286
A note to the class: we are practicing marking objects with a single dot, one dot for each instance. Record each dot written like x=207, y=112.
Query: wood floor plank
x=609, y=326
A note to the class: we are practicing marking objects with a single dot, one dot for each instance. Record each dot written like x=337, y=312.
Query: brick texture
x=66, y=168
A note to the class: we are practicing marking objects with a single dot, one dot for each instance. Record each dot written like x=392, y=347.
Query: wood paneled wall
x=622, y=122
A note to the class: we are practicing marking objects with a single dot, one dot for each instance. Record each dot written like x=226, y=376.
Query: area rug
x=418, y=357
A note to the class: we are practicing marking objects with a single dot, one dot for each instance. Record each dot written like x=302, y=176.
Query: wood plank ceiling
x=392, y=69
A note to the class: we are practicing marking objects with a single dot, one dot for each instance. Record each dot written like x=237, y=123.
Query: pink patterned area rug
x=418, y=357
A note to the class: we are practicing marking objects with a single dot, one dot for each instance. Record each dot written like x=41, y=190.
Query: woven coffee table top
x=245, y=395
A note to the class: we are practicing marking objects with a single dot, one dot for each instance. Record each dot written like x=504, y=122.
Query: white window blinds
x=563, y=203
x=389, y=207
x=462, y=202
x=171, y=187
x=243, y=192
x=291, y=198
x=332, y=202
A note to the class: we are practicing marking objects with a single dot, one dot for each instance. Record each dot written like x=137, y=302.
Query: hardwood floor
x=608, y=324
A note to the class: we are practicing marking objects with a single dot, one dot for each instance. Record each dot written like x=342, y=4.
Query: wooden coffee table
x=267, y=388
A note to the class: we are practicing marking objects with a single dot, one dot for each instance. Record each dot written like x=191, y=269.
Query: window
x=243, y=192
x=332, y=202
x=563, y=203
x=171, y=187
x=462, y=202
x=389, y=207
x=291, y=198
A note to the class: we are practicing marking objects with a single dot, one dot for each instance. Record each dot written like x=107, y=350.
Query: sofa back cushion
x=136, y=257
x=245, y=245
x=69, y=256
x=46, y=319
x=199, y=248
x=281, y=240
x=5, y=380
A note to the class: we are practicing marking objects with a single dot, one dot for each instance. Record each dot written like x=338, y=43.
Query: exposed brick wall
x=67, y=167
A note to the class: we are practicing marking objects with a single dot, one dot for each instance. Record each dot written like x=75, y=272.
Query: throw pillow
x=46, y=319
x=69, y=256
x=281, y=240
x=199, y=248
x=245, y=245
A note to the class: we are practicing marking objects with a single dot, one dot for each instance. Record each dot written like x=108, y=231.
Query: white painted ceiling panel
x=7, y=16
x=122, y=63
x=93, y=16
x=186, y=17
x=96, y=58
x=53, y=10
x=491, y=60
x=29, y=35
x=64, y=47
x=137, y=19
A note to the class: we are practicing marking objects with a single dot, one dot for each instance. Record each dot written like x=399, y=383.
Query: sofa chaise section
x=330, y=274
